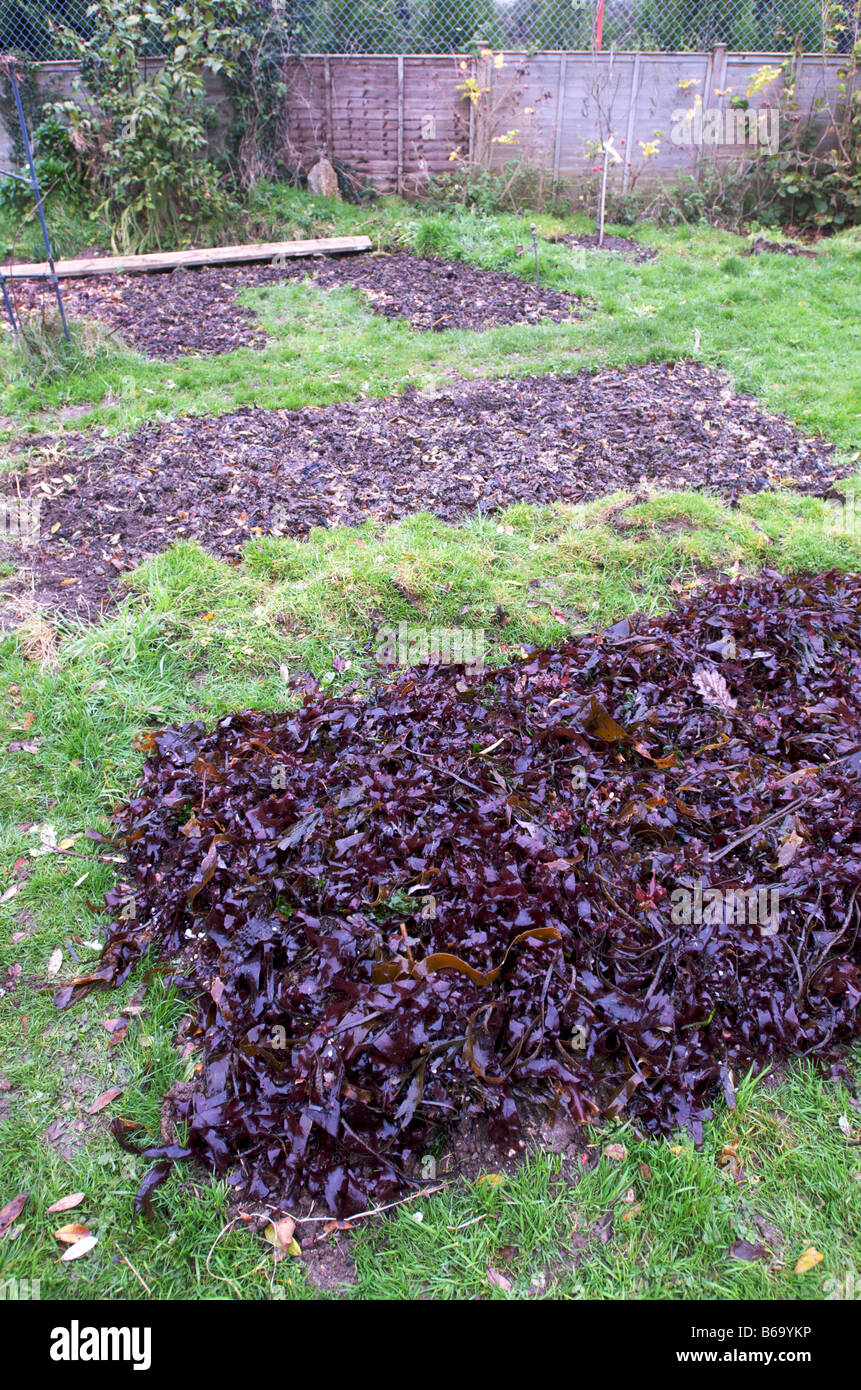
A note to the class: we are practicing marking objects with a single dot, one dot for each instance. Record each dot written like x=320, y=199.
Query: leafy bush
x=141, y=137
x=57, y=168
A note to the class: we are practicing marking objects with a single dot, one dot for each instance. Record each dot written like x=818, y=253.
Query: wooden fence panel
x=396, y=119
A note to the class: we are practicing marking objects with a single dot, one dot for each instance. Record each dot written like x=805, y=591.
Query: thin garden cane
x=8, y=63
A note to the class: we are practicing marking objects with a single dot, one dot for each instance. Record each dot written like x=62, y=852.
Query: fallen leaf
x=117, y=1027
x=744, y=1250
x=789, y=847
x=808, y=1259
x=70, y=1234
x=74, y=1199
x=104, y=1099
x=11, y=1212
x=56, y=961
x=280, y=1232
x=498, y=1280
x=617, y=1152
x=713, y=688
x=80, y=1247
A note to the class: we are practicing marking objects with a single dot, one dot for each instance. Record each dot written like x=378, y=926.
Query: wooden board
x=167, y=260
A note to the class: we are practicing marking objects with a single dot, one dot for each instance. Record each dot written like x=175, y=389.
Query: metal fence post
x=560, y=116
x=632, y=113
x=34, y=186
x=399, y=186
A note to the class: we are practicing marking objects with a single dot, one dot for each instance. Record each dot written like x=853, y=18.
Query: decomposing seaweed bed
x=461, y=896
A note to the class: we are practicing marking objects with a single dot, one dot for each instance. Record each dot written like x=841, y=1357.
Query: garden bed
x=779, y=248
x=107, y=504
x=460, y=897
x=193, y=312
x=622, y=245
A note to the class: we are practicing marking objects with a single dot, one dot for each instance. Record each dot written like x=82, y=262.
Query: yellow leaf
x=490, y=1180
x=280, y=1233
x=808, y=1259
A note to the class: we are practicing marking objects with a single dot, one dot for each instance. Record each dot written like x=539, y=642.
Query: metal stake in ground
x=8, y=303
x=534, y=230
x=9, y=64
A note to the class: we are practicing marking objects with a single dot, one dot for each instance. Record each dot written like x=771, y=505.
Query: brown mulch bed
x=108, y=504
x=623, y=245
x=435, y=295
x=169, y=315
x=779, y=248
x=187, y=312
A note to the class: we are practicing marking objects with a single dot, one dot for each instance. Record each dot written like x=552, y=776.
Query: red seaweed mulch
x=460, y=897
x=194, y=311
x=109, y=504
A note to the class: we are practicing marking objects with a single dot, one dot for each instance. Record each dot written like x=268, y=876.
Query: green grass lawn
x=196, y=637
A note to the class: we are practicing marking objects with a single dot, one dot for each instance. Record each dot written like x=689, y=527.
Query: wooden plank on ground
x=167, y=260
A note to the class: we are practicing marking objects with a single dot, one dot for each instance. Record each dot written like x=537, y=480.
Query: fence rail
x=35, y=27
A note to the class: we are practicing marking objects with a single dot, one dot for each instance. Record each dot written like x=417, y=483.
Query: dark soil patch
x=779, y=248
x=109, y=504
x=399, y=930
x=623, y=245
x=327, y=1260
x=193, y=311
x=435, y=295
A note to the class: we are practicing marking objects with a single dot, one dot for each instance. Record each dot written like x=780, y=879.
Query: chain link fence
x=453, y=26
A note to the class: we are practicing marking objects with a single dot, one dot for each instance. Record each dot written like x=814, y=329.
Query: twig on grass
x=139, y=1277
